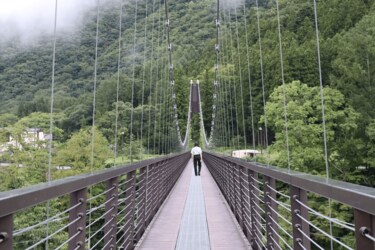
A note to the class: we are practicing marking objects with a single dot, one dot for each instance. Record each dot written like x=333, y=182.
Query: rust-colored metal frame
x=238, y=181
x=148, y=184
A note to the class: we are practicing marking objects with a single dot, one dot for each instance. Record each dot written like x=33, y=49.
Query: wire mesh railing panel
x=281, y=209
x=105, y=210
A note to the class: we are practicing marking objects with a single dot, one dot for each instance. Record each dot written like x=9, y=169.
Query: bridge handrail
x=17, y=199
x=253, y=196
x=357, y=196
x=130, y=196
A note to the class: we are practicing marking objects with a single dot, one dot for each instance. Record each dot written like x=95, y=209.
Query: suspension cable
x=283, y=82
x=151, y=77
x=323, y=112
x=240, y=75
x=233, y=76
x=133, y=83
x=249, y=76
x=231, y=125
x=94, y=106
x=225, y=120
x=156, y=83
x=262, y=79
x=51, y=111
x=143, y=81
x=118, y=83
x=184, y=143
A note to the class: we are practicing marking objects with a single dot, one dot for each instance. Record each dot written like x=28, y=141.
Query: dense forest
x=251, y=90
x=112, y=80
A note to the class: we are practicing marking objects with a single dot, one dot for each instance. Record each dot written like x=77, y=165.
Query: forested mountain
x=132, y=109
x=347, y=57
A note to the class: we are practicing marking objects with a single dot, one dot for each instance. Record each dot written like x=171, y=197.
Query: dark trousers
x=197, y=161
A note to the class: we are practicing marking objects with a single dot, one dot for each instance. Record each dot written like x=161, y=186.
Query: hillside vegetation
x=347, y=57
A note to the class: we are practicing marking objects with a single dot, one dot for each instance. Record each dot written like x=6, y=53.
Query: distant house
x=63, y=167
x=33, y=137
x=245, y=153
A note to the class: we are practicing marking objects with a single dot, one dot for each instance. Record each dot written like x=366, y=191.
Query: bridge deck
x=195, y=216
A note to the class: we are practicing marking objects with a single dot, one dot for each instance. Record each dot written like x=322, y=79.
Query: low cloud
x=30, y=18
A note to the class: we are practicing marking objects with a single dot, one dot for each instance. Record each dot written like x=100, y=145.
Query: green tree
x=305, y=129
x=76, y=152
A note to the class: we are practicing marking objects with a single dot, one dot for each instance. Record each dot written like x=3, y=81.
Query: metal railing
x=106, y=210
x=277, y=209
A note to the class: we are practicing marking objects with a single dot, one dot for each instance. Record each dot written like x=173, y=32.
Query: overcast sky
x=30, y=17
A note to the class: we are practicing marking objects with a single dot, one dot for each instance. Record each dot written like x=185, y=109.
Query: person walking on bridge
x=196, y=153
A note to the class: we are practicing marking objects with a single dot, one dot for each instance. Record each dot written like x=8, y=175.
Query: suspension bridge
x=158, y=203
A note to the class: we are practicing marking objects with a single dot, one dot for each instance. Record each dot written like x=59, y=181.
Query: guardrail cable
x=285, y=206
x=98, y=219
x=279, y=215
x=323, y=232
x=53, y=234
x=50, y=219
x=309, y=238
x=282, y=239
x=105, y=235
x=280, y=227
x=105, y=192
x=69, y=240
x=278, y=192
x=325, y=217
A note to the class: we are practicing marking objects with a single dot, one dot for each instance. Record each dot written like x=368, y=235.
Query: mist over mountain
x=27, y=20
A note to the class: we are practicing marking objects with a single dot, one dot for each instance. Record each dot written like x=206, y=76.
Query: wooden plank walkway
x=194, y=199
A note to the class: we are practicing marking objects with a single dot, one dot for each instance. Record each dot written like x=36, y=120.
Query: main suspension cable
x=151, y=77
x=233, y=77
x=240, y=75
x=183, y=143
x=283, y=81
x=143, y=81
x=118, y=84
x=323, y=113
x=262, y=79
x=249, y=76
x=133, y=83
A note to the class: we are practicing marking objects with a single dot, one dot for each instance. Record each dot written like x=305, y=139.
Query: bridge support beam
x=270, y=209
x=141, y=204
x=110, y=230
x=78, y=242
x=242, y=198
x=256, y=239
x=364, y=225
x=6, y=232
x=129, y=211
x=298, y=224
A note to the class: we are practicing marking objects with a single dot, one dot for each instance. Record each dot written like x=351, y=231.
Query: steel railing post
x=79, y=196
x=6, y=232
x=129, y=212
x=242, y=205
x=254, y=203
x=142, y=204
x=110, y=230
x=271, y=216
x=297, y=223
x=364, y=225
x=247, y=215
x=232, y=191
